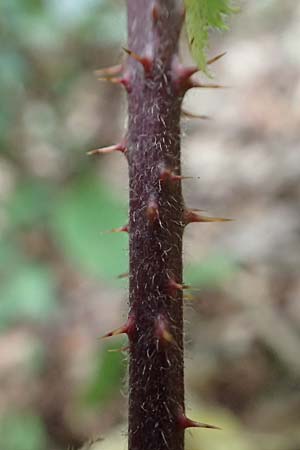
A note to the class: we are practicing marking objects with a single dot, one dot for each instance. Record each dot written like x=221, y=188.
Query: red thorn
x=123, y=80
x=110, y=149
x=190, y=217
x=124, y=228
x=128, y=328
x=193, y=115
x=182, y=74
x=216, y=58
x=167, y=174
x=146, y=61
x=155, y=12
x=173, y=285
x=184, y=422
x=152, y=211
x=161, y=330
x=113, y=70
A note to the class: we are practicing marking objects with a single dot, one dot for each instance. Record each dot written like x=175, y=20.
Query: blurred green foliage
x=27, y=294
x=107, y=375
x=84, y=210
x=34, y=84
x=211, y=273
x=22, y=432
x=53, y=201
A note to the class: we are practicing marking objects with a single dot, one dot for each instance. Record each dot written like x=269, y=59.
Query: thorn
x=182, y=13
x=146, y=61
x=177, y=286
x=123, y=275
x=124, y=228
x=121, y=349
x=161, y=330
x=152, y=212
x=181, y=74
x=123, y=80
x=190, y=217
x=128, y=328
x=174, y=286
x=113, y=70
x=155, y=12
x=110, y=149
x=184, y=73
x=184, y=422
x=196, y=84
x=188, y=297
x=193, y=115
x=216, y=58
x=198, y=209
x=167, y=174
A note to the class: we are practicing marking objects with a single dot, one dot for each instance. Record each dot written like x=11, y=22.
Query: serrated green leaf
x=201, y=16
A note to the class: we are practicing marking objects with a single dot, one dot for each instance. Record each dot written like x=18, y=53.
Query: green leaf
x=201, y=16
x=86, y=209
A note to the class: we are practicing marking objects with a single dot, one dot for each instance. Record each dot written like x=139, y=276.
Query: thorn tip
x=197, y=84
x=192, y=115
x=146, y=61
x=123, y=229
x=122, y=80
x=128, y=328
x=174, y=286
x=216, y=58
x=123, y=275
x=107, y=71
x=184, y=422
x=190, y=216
x=110, y=149
x=167, y=174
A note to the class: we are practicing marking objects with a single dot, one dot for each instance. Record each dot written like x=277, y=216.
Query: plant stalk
x=156, y=378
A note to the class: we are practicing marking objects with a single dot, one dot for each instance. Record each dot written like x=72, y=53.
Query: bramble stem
x=156, y=379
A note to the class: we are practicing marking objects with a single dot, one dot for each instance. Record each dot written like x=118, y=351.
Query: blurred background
x=60, y=386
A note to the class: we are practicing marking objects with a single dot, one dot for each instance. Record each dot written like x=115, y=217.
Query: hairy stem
x=156, y=380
